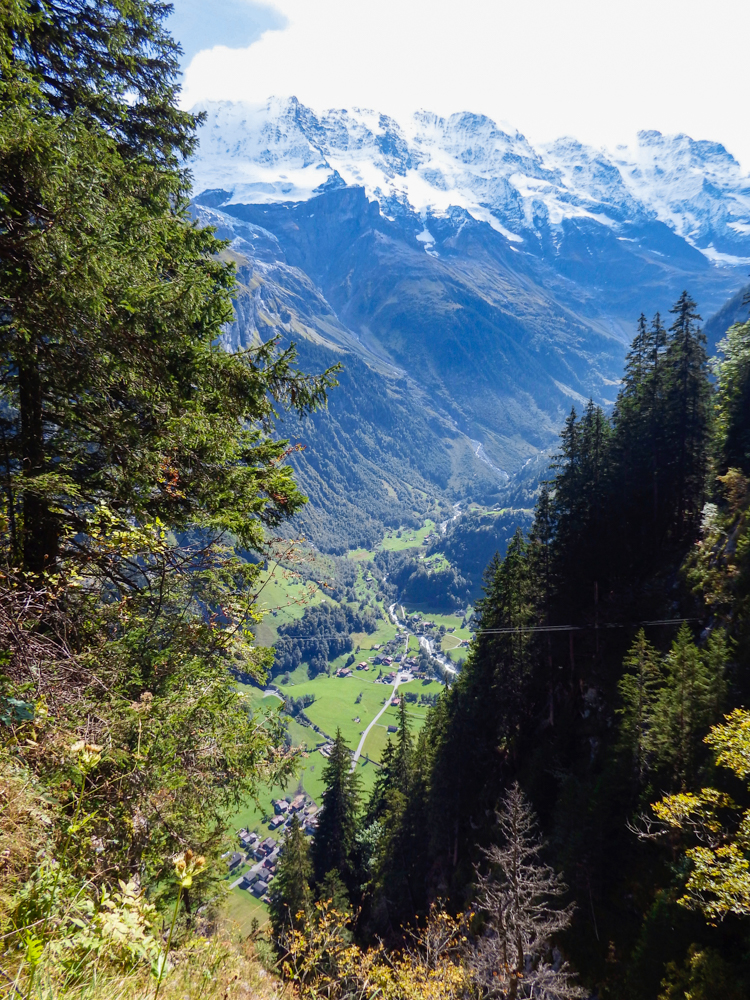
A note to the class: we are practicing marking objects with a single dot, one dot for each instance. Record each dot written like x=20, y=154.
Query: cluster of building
x=263, y=855
x=305, y=811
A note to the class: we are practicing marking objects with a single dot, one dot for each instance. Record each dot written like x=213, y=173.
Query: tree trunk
x=40, y=527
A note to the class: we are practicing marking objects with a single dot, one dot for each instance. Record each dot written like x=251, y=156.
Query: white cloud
x=596, y=69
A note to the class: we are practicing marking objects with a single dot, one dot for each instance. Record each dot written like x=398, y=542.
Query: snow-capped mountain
x=283, y=151
x=475, y=286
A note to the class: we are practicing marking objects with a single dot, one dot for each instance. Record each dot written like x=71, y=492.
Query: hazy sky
x=596, y=69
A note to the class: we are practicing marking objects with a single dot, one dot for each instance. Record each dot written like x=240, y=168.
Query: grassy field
x=408, y=537
x=241, y=907
x=384, y=633
x=360, y=555
x=336, y=704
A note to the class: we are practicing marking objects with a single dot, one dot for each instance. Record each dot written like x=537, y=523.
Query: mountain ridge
x=430, y=163
x=476, y=286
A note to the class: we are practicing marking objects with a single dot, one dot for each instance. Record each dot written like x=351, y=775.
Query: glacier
x=282, y=151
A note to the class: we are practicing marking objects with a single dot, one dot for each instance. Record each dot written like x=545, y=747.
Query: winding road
x=399, y=679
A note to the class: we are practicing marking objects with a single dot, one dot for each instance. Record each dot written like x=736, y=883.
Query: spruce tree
x=117, y=400
x=291, y=897
x=690, y=700
x=112, y=64
x=732, y=370
x=639, y=691
x=688, y=420
x=334, y=844
x=395, y=771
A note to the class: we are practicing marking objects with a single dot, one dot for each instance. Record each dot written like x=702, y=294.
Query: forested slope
x=604, y=686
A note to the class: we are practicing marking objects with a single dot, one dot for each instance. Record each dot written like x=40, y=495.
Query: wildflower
x=88, y=754
x=186, y=865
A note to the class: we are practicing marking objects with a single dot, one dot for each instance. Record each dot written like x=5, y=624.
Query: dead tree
x=515, y=959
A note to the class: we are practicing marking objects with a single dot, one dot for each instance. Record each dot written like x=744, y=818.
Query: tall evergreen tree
x=135, y=452
x=732, y=370
x=688, y=419
x=395, y=771
x=690, y=700
x=639, y=691
x=116, y=395
x=113, y=64
x=291, y=897
x=334, y=844
x=484, y=712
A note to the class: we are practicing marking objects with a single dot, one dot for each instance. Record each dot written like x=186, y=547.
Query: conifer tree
x=291, y=897
x=656, y=419
x=484, y=713
x=688, y=419
x=136, y=453
x=395, y=768
x=639, y=691
x=732, y=370
x=689, y=701
x=114, y=65
x=334, y=844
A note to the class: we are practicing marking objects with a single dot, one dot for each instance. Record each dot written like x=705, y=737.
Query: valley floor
x=363, y=705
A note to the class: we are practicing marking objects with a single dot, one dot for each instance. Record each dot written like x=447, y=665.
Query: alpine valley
x=474, y=287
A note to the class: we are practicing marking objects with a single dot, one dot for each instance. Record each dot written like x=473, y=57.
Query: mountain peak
x=284, y=151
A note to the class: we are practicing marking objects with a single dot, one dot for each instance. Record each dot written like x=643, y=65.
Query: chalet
x=377, y=660
x=280, y=806
x=235, y=860
x=387, y=660
x=298, y=802
x=265, y=848
x=259, y=888
x=363, y=666
x=276, y=822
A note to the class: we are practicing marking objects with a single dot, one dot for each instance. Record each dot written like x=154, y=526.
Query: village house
x=265, y=848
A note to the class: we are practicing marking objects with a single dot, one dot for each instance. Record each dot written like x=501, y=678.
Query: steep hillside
x=382, y=454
